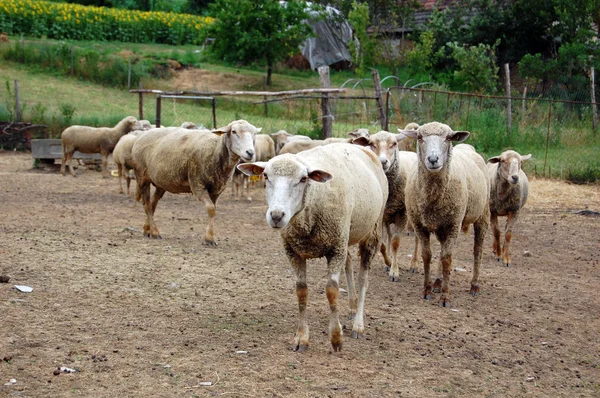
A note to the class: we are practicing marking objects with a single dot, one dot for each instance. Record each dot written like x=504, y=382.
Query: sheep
x=265, y=147
x=122, y=157
x=265, y=150
x=296, y=146
x=187, y=161
x=351, y=136
x=144, y=125
x=323, y=201
x=397, y=166
x=408, y=145
x=509, y=187
x=93, y=140
x=282, y=137
x=448, y=191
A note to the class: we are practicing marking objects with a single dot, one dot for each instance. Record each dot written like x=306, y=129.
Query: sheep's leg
x=119, y=176
x=414, y=261
x=209, y=236
x=400, y=224
x=352, y=297
x=63, y=162
x=247, y=179
x=446, y=261
x=104, y=163
x=423, y=237
x=143, y=192
x=302, y=333
x=480, y=227
x=497, y=248
x=158, y=194
x=385, y=244
x=70, y=163
x=510, y=222
x=368, y=248
x=335, y=264
x=127, y=179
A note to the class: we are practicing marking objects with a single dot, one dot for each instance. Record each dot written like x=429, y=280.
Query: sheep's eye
x=420, y=137
x=266, y=177
x=393, y=144
x=234, y=132
x=303, y=179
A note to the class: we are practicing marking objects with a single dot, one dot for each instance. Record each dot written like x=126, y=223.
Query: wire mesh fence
x=560, y=134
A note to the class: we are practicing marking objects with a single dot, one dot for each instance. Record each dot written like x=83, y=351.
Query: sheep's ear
x=362, y=141
x=400, y=137
x=222, y=130
x=526, y=157
x=459, y=136
x=252, y=169
x=353, y=134
x=495, y=159
x=258, y=130
x=409, y=133
x=319, y=176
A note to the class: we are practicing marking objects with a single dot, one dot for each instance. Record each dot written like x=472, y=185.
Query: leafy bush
x=77, y=22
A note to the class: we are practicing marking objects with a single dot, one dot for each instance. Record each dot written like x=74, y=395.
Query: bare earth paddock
x=143, y=317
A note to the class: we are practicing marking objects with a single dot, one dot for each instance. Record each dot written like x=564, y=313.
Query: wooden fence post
x=129, y=73
x=158, y=110
x=17, y=103
x=547, y=137
x=141, y=103
x=594, y=106
x=508, y=101
x=387, y=109
x=379, y=98
x=325, y=103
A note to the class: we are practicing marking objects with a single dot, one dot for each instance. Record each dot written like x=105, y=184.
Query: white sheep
x=264, y=147
x=296, y=146
x=449, y=191
x=87, y=139
x=282, y=137
x=187, y=161
x=509, y=187
x=122, y=157
x=351, y=136
x=397, y=165
x=325, y=200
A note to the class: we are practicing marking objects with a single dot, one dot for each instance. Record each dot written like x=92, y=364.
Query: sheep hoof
x=437, y=285
x=412, y=270
x=394, y=278
x=507, y=264
x=300, y=347
x=474, y=290
x=444, y=302
x=427, y=293
x=386, y=268
x=337, y=347
x=210, y=243
x=356, y=335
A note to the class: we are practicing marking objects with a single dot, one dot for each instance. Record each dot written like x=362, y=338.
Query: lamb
x=93, y=140
x=448, y=191
x=397, y=165
x=187, y=161
x=508, y=193
x=282, y=137
x=325, y=200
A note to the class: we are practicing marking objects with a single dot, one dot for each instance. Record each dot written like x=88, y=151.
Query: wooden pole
x=524, y=103
x=379, y=98
x=265, y=98
x=129, y=73
x=547, y=137
x=594, y=106
x=387, y=109
x=214, y=112
x=158, y=110
x=141, y=103
x=17, y=102
x=325, y=103
x=508, y=103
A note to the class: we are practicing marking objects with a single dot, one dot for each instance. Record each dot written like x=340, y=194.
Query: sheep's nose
x=277, y=215
x=250, y=153
x=514, y=179
x=433, y=159
x=384, y=161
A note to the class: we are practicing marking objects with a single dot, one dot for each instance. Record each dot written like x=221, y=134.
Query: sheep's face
x=434, y=144
x=287, y=180
x=359, y=133
x=240, y=138
x=509, y=165
x=132, y=123
x=384, y=145
x=281, y=138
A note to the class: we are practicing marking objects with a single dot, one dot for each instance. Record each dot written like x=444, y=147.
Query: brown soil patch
x=142, y=317
x=205, y=80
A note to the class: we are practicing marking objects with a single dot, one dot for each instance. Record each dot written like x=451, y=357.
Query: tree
x=477, y=68
x=257, y=31
x=363, y=51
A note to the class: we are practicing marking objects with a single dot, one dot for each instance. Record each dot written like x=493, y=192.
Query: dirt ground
x=143, y=317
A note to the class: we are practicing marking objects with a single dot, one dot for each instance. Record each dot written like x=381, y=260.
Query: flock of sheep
x=328, y=195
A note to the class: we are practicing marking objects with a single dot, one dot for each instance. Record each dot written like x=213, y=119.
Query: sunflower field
x=76, y=22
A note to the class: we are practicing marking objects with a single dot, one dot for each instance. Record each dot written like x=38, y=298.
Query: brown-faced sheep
x=509, y=187
x=449, y=191
x=323, y=201
x=187, y=161
x=397, y=165
x=93, y=140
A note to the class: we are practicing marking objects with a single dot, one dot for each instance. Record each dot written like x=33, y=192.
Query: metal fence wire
x=560, y=134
